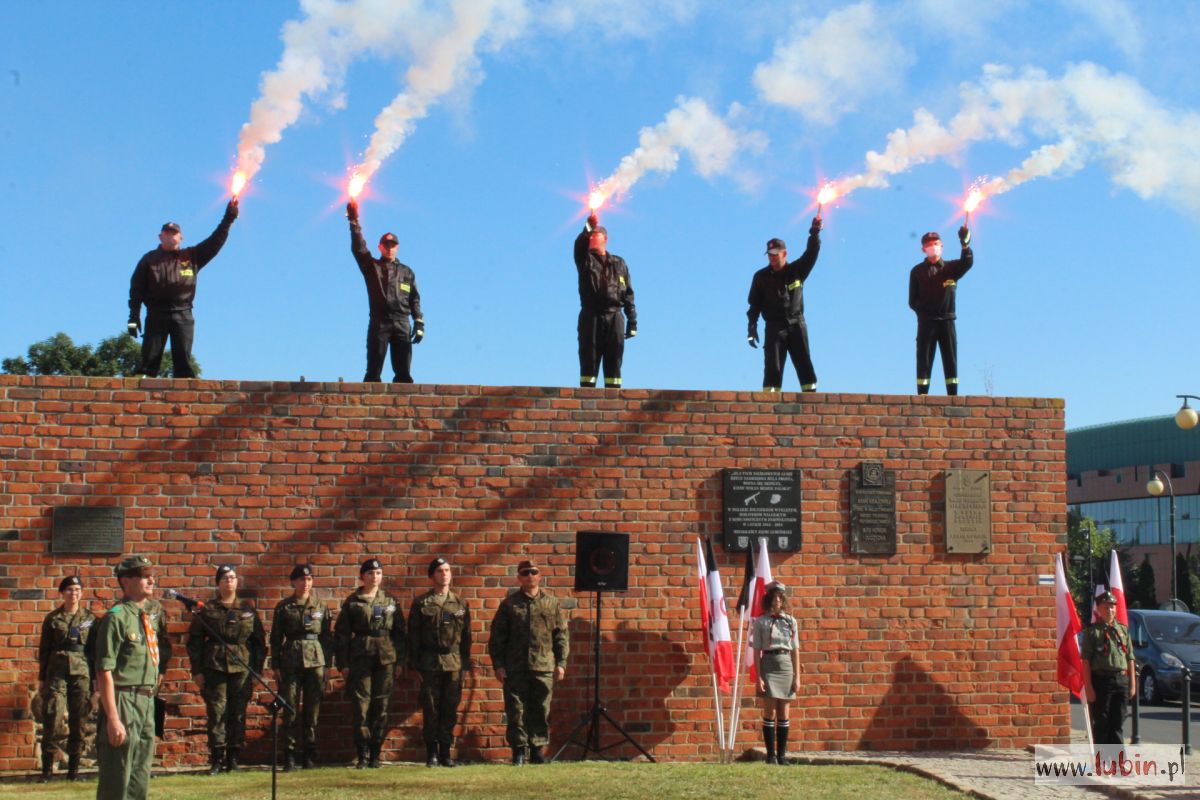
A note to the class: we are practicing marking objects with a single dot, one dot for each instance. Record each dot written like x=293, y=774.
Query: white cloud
x=1115, y=19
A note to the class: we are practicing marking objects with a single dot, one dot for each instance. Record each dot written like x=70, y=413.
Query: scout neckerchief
x=151, y=637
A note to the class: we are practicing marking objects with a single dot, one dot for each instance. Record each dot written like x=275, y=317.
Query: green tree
x=1143, y=592
x=1080, y=531
x=115, y=357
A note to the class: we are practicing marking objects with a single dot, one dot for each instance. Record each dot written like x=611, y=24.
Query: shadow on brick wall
x=917, y=713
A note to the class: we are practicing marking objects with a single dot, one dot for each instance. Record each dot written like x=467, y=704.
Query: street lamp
x=1186, y=417
x=1155, y=487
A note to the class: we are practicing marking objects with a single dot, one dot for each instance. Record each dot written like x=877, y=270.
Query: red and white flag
x=750, y=601
x=1117, y=587
x=1070, y=665
x=714, y=620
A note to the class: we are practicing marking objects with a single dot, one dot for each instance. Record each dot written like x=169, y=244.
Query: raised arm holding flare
x=931, y=291
x=605, y=289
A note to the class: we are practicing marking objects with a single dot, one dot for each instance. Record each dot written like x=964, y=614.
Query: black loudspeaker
x=601, y=561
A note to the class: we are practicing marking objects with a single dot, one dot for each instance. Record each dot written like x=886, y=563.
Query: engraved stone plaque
x=968, y=511
x=873, y=510
x=762, y=503
x=88, y=529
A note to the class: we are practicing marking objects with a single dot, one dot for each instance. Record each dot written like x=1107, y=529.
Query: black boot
x=444, y=755
x=768, y=731
x=289, y=760
x=364, y=753
x=310, y=758
x=375, y=763
x=216, y=760
x=952, y=389
x=47, y=766
x=518, y=757
x=231, y=759
x=73, y=767
x=781, y=736
x=535, y=755
x=431, y=755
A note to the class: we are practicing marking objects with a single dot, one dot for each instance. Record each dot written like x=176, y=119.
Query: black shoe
x=73, y=768
x=310, y=759
x=216, y=760
x=444, y=756
x=783, y=761
x=431, y=755
x=289, y=760
x=363, y=756
x=518, y=757
x=375, y=763
x=535, y=756
x=231, y=759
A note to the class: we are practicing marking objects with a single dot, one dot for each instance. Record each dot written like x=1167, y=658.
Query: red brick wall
x=919, y=650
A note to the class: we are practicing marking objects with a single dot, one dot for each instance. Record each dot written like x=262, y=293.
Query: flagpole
x=717, y=706
x=735, y=706
x=1087, y=723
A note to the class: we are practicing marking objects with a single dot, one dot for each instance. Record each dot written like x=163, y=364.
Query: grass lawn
x=563, y=781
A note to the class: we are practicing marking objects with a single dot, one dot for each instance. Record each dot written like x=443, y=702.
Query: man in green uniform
x=64, y=676
x=127, y=658
x=225, y=637
x=369, y=638
x=1109, y=672
x=439, y=647
x=158, y=620
x=528, y=647
x=301, y=647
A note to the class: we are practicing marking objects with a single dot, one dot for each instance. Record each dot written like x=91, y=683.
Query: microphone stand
x=277, y=703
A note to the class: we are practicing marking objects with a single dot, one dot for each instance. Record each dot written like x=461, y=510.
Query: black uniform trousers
x=931, y=335
x=441, y=692
x=782, y=341
x=382, y=333
x=601, y=342
x=180, y=326
x=1108, y=710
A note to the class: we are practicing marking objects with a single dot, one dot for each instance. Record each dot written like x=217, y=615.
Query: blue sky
x=114, y=119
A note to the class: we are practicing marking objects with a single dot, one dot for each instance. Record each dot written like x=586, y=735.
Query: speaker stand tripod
x=591, y=720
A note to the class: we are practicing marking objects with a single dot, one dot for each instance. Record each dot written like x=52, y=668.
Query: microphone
x=190, y=603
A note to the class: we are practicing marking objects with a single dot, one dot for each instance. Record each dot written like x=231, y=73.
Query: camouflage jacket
x=439, y=633
x=64, y=636
x=529, y=634
x=238, y=626
x=369, y=631
x=301, y=634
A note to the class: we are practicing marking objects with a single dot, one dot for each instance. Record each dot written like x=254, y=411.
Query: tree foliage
x=1081, y=531
x=115, y=357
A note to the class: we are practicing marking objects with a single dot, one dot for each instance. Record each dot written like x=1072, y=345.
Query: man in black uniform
x=165, y=280
x=931, y=286
x=777, y=292
x=604, y=289
x=1109, y=671
x=393, y=297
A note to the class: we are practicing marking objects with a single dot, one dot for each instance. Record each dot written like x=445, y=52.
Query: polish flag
x=1070, y=665
x=1117, y=587
x=714, y=620
x=750, y=601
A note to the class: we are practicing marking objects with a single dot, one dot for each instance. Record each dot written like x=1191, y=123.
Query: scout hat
x=130, y=565
x=1107, y=597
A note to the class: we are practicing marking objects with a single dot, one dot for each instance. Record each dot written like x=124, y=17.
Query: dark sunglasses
x=530, y=572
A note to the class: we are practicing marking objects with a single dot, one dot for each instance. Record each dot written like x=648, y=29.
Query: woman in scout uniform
x=226, y=638
x=776, y=643
x=64, y=676
x=369, y=638
x=301, y=646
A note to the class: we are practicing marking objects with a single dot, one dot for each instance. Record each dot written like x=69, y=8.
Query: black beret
x=69, y=581
x=300, y=571
x=433, y=565
x=224, y=569
x=370, y=564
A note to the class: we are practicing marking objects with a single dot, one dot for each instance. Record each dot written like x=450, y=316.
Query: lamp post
x=1155, y=487
x=1088, y=586
x=1186, y=417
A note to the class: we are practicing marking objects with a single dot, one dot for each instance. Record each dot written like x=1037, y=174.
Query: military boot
x=73, y=767
x=431, y=755
x=231, y=759
x=536, y=756
x=47, y=767
x=444, y=755
x=363, y=754
x=375, y=763
x=518, y=756
x=216, y=760
x=289, y=760
x=310, y=758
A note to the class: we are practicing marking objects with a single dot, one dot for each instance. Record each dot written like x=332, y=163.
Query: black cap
x=600, y=229
x=433, y=565
x=69, y=581
x=173, y=227
x=370, y=564
x=300, y=571
x=389, y=238
x=776, y=244
x=225, y=569
x=932, y=236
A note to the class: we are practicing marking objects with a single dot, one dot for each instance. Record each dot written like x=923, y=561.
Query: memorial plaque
x=762, y=503
x=873, y=510
x=88, y=529
x=968, y=511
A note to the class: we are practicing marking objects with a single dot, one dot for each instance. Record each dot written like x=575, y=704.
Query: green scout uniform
x=157, y=614
x=64, y=672
x=1107, y=650
x=301, y=648
x=439, y=646
x=528, y=640
x=122, y=649
x=232, y=630
x=369, y=638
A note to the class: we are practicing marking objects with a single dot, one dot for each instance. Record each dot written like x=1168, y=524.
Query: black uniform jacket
x=391, y=285
x=779, y=296
x=604, y=282
x=165, y=280
x=931, y=286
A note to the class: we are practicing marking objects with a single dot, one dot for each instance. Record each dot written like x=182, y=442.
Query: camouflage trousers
x=302, y=689
x=370, y=689
x=527, y=706
x=69, y=698
x=441, y=692
x=225, y=697
x=125, y=770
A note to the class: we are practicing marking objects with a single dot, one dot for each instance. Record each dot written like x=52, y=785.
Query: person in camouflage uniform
x=369, y=642
x=127, y=659
x=301, y=647
x=528, y=646
x=439, y=647
x=225, y=637
x=64, y=676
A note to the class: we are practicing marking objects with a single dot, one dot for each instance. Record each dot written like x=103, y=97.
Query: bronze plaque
x=762, y=503
x=873, y=510
x=968, y=511
x=88, y=529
